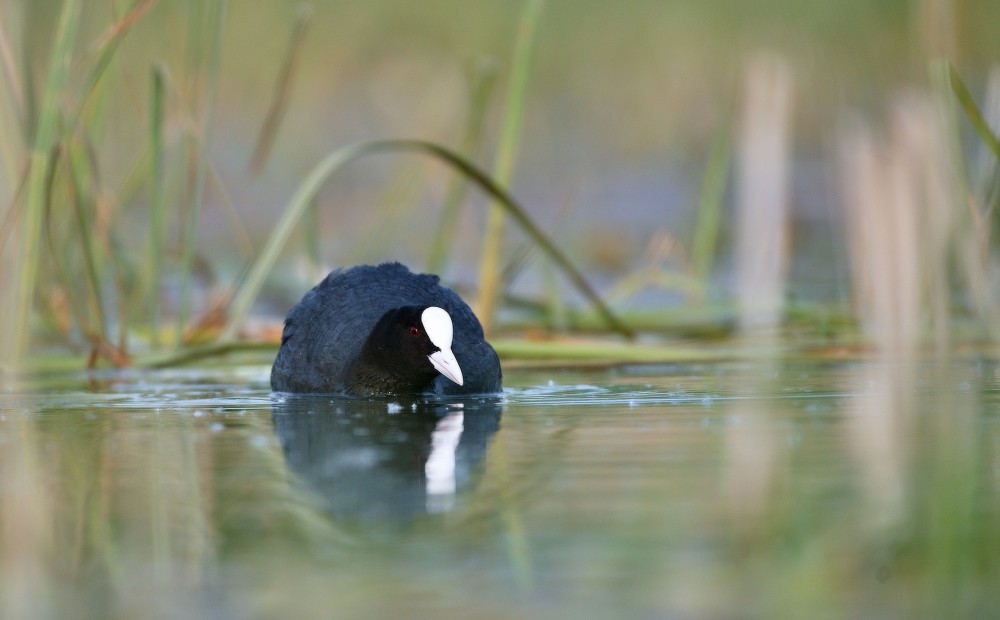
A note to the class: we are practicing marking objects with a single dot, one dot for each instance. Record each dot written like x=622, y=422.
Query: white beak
x=445, y=363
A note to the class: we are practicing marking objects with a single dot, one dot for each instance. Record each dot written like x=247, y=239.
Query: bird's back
x=325, y=331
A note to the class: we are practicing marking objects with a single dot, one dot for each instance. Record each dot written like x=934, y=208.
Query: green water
x=722, y=491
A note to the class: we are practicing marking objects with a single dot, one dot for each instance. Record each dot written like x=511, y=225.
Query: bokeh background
x=834, y=449
x=623, y=105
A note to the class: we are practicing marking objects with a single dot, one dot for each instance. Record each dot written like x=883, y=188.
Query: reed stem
x=157, y=212
x=484, y=79
x=489, y=266
x=713, y=190
x=46, y=136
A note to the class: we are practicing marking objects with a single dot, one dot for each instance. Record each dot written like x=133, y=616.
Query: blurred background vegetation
x=181, y=129
x=151, y=154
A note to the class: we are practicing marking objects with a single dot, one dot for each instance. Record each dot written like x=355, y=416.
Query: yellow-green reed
x=83, y=208
x=300, y=201
x=157, y=210
x=489, y=266
x=61, y=261
x=981, y=195
x=969, y=267
x=704, y=246
x=63, y=179
x=43, y=144
x=483, y=80
x=104, y=258
x=973, y=112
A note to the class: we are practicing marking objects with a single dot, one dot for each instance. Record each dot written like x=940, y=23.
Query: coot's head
x=406, y=350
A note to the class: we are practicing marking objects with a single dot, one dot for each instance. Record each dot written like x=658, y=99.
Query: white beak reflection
x=440, y=466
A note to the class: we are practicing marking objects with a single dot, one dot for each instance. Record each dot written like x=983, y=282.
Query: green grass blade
x=82, y=208
x=303, y=196
x=299, y=202
x=282, y=90
x=157, y=211
x=45, y=138
x=489, y=266
x=515, y=211
x=59, y=258
x=113, y=34
x=972, y=111
x=713, y=190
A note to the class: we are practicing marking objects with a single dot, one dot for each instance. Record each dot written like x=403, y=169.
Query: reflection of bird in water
x=384, y=459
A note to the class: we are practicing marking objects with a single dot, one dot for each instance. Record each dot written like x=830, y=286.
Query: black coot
x=381, y=331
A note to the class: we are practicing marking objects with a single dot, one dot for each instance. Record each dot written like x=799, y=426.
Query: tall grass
x=489, y=266
x=85, y=286
x=40, y=160
x=213, y=18
x=302, y=200
x=157, y=202
x=704, y=245
x=172, y=174
x=63, y=181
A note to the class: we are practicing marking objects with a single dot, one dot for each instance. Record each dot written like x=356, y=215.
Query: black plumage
x=325, y=334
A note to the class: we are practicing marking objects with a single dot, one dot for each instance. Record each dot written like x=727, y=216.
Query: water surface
x=841, y=489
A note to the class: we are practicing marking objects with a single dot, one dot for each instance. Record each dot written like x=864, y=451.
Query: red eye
x=414, y=331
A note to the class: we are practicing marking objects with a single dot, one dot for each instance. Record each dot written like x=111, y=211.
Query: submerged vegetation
x=142, y=226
